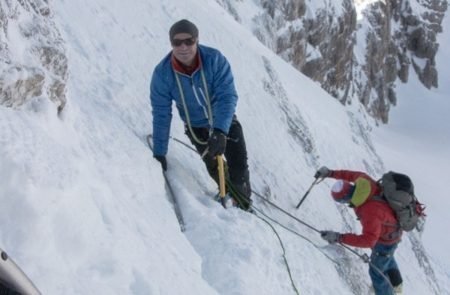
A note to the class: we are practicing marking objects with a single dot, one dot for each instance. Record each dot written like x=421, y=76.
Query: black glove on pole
x=217, y=143
x=323, y=172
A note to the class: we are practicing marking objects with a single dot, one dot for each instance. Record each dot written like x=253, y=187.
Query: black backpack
x=398, y=191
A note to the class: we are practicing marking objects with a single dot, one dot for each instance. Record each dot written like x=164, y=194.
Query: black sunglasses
x=189, y=41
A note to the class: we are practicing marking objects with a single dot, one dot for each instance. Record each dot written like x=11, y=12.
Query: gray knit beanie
x=183, y=26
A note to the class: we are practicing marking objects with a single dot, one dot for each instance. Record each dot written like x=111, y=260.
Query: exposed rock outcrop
x=353, y=59
x=32, y=55
x=397, y=38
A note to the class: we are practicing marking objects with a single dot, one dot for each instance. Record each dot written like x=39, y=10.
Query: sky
x=85, y=209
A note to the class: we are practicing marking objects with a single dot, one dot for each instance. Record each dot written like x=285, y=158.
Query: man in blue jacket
x=199, y=80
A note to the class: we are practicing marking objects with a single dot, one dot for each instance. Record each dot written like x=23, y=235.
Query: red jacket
x=378, y=221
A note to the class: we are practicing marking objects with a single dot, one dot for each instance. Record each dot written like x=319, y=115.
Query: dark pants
x=236, y=157
x=382, y=258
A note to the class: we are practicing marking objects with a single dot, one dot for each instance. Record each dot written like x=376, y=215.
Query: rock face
x=319, y=43
x=397, y=37
x=33, y=62
x=352, y=58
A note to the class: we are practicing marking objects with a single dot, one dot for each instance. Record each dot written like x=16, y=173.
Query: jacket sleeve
x=224, y=96
x=349, y=175
x=162, y=113
x=371, y=230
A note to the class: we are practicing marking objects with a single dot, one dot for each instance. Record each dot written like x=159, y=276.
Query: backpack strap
x=379, y=198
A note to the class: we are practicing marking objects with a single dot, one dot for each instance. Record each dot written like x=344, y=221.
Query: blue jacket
x=164, y=89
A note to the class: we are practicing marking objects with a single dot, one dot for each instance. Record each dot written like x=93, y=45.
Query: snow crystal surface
x=85, y=209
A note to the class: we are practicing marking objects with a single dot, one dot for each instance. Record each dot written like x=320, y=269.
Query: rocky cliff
x=353, y=56
x=33, y=62
x=397, y=36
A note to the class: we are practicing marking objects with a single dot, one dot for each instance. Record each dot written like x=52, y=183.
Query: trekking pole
x=172, y=194
x=222, y=191
x=316, y=181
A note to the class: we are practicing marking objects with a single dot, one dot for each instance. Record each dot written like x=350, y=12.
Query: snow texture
x=85, y=208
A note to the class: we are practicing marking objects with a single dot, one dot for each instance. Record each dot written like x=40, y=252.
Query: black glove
x=322, y=172
x=162, y=160
x=217, y=143
x=330, y=236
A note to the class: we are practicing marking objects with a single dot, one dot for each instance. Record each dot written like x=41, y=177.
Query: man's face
x=184, y=48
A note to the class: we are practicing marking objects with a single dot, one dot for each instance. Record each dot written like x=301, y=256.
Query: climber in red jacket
x=380, y=228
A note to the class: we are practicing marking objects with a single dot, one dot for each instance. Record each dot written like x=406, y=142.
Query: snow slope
x=84, y=205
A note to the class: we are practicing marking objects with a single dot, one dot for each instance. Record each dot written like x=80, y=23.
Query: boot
x=227, y=202
x=241, y=193
x=398, y=289
x=396, y=279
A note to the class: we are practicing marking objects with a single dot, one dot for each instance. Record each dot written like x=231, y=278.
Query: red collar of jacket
x=184, y=69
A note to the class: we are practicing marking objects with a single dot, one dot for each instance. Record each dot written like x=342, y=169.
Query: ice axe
x=316, y=181
x=220, y=167
x=224, y=199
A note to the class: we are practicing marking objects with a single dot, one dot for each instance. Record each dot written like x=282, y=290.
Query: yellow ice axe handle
x=222, y=191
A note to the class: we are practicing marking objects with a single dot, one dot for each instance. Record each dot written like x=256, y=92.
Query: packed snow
x=85, y=209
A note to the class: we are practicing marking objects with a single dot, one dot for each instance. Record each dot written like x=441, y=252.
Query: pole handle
x=220, y=167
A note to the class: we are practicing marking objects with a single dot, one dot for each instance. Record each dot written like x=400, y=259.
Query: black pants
x=235, y=154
